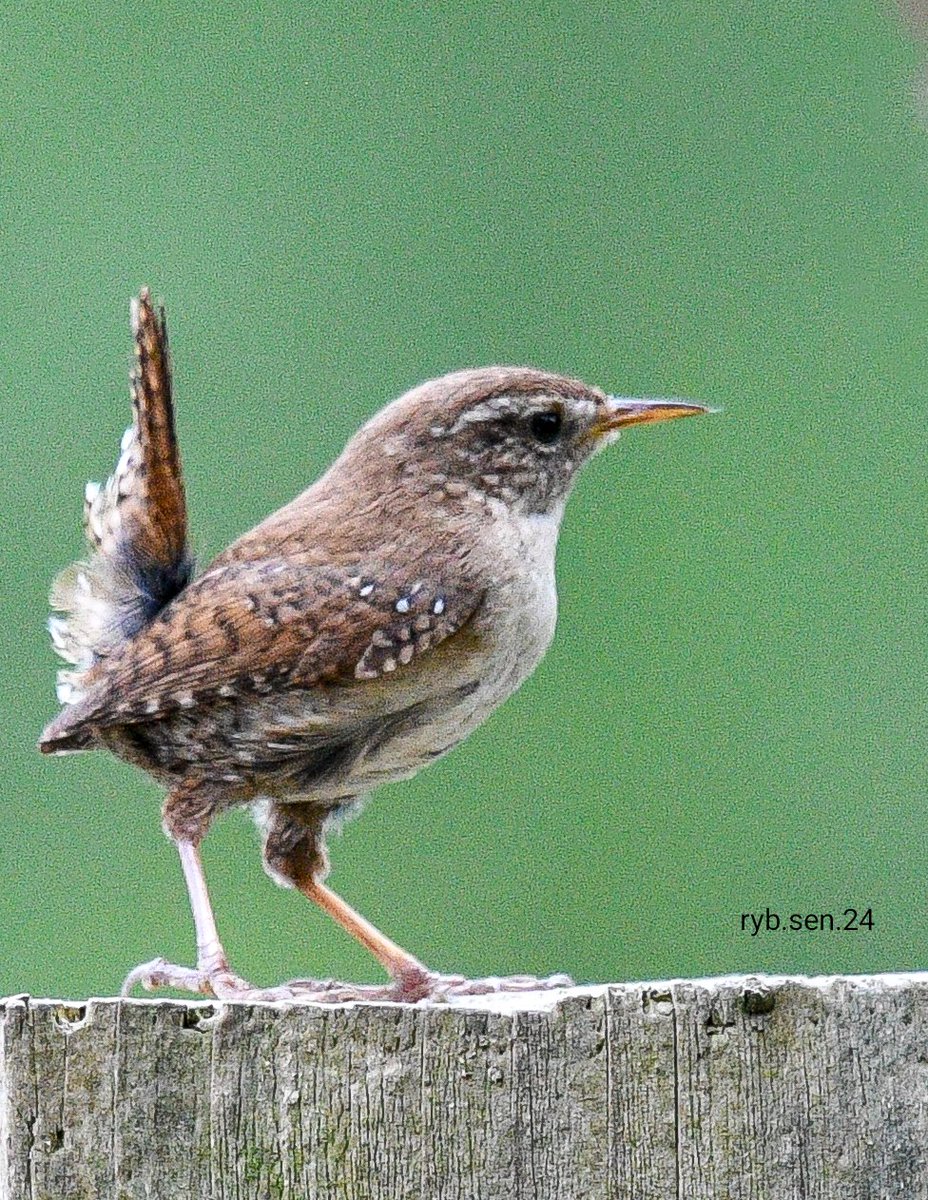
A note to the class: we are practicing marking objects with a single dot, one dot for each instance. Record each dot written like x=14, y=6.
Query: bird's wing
x=267, y=626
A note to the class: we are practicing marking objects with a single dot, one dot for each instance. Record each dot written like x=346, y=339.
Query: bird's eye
x=546, y=426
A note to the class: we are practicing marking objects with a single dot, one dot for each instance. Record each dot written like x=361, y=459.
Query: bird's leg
x=212, y=964
x=412, y=980
x=294, y=855
x=188, y=813
x=211, y=976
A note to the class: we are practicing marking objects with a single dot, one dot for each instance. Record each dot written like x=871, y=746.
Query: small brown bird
x=350, y=639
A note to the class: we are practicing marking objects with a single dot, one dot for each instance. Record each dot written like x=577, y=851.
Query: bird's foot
x=217, y=982
x=409, y=986
x=412, y=985
x=432, y=986
x=212, y=979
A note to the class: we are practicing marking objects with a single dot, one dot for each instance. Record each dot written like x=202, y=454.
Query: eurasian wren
x=350, y=639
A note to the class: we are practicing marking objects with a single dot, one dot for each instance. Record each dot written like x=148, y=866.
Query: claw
x=217, y=982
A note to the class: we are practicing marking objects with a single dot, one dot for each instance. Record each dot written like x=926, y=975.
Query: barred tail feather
x=135, y=524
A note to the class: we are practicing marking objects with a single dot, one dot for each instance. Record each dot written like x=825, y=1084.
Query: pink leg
x=210, y=953
x=211, y=976
x=294, y=853
x=412, y=978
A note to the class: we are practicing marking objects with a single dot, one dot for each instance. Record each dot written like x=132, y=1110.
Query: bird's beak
x=622, y=411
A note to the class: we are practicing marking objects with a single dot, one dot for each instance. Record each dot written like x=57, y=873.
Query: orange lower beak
x=621, y=412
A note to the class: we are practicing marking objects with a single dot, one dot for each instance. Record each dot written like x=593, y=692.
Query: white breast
x=521, y=605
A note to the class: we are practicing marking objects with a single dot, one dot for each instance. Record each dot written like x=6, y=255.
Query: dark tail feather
x=136, y=523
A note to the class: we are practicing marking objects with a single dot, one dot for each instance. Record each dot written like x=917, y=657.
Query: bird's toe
x=215, y=980
x=448, y=987
x=160, y=973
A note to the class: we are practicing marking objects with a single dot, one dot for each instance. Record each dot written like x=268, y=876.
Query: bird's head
x=513, y=434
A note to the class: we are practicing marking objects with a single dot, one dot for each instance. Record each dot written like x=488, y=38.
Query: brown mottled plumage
x=136, y=525
x=351, y=638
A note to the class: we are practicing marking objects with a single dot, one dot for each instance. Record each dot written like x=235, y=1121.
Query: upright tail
x=136, y=523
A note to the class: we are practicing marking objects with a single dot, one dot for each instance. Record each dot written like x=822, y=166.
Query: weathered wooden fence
x=730, y=1088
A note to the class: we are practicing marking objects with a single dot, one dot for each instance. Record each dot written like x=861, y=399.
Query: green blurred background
x=336, y=201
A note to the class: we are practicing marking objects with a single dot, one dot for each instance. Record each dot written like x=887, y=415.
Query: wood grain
x=743, y=1088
